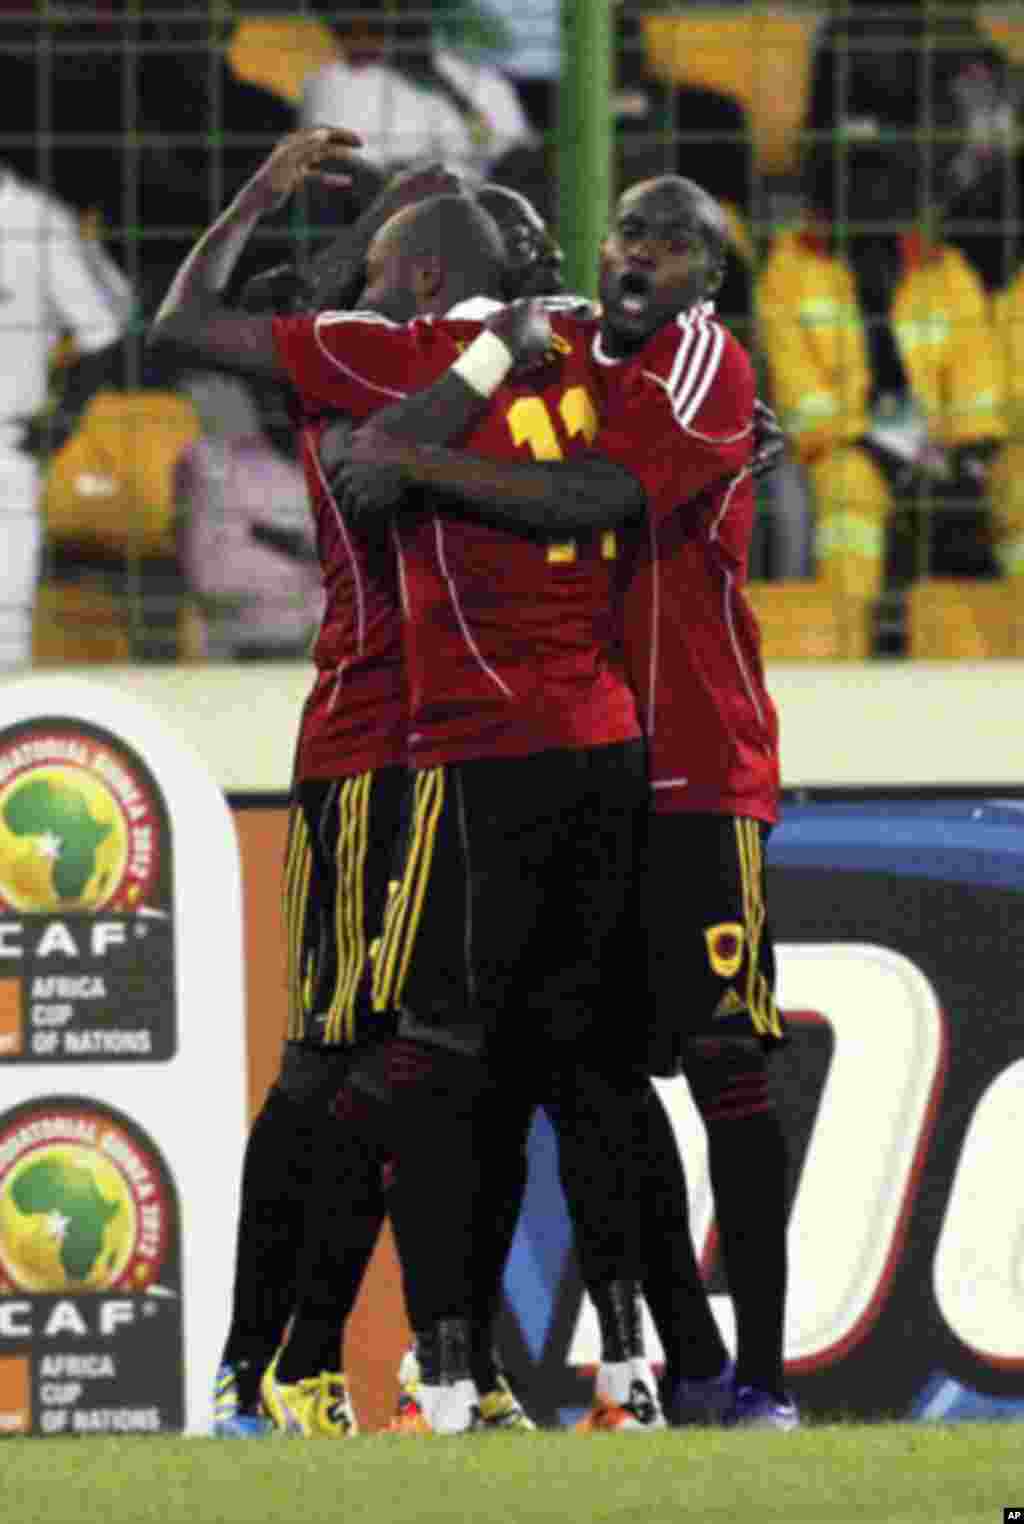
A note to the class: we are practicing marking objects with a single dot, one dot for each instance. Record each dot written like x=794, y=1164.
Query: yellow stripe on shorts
x=349, y=905
x=760, y=1002
x=405, y=905
x=297, y=869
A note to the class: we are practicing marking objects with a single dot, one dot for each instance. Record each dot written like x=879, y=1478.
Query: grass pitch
x=828, y=1474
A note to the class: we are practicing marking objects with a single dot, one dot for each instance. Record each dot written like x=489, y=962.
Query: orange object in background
x=805, y=621
x=15, y=1396
x=952, y=620
x=11, y=1028
x=378, y=1333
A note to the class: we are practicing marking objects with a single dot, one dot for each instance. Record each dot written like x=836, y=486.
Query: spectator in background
x=1005, y=284
x=883, y=367
x=412, y=98
x=51, y=283
x=485, y=100
x=398, y=121
x=112, y=589
x=245, y=533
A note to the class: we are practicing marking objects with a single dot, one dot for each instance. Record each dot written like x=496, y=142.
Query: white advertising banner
x=122, y=1065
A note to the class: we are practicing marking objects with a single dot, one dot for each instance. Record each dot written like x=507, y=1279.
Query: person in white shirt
x=412, y=99
x=51, y=282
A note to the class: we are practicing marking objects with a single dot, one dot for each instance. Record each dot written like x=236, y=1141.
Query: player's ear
x=428, y=277
x=716, y=276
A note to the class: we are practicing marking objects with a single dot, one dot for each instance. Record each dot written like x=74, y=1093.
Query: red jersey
x=506, y=640
x=679, y=416
x=356, y=716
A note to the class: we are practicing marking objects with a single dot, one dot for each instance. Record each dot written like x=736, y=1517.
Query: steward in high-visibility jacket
x=1007, y=480
x=813, y=335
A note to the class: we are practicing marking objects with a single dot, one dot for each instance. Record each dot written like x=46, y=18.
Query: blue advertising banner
x=900, y=928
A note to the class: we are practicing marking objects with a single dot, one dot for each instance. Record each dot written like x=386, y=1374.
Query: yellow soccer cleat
x=501, y=1409
x=317, y=1407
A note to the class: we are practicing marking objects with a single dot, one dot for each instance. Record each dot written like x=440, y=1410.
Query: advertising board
x=122, y=1056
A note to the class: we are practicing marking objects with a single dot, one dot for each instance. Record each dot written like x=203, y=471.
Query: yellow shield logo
x=725, y=948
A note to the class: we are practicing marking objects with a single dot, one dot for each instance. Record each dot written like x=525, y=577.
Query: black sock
x=748, y=1177
x=600, y=1148
x=617, y=1304
x=503, y=1135
x=443, y=1351
x=347, y=1208
x=672, y=1283
x=276, y=1174
x=436, y=1204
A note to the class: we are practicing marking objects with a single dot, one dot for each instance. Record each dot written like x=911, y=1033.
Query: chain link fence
x=869, y=159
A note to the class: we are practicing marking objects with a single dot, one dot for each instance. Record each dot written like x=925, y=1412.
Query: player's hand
x=280, y=289
x=299, y=157
x=368, y=475
x=365, y=491
x=769, y=440
x=524, y=327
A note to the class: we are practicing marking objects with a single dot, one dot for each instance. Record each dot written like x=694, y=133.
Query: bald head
x=665, y=253
x=533, y=259
x=431, y=255
x=453, y=227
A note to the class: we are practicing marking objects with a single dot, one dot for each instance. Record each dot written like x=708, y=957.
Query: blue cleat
x=753, y=1409
x=235, y=1416
x=696, y=1403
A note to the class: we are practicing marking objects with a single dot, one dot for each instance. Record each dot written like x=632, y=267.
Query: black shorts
x=511, y=874
x=341, y=846
x=711, y=961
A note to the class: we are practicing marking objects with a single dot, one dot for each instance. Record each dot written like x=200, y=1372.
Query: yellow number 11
x=530, y=423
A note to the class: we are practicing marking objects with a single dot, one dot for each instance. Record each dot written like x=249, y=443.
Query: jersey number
x=530, y=423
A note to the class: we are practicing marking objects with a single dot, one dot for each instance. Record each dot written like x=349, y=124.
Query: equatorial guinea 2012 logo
x=84, y=1206
x=80, y=827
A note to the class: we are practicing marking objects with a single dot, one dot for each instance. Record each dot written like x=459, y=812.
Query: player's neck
x=619, y=346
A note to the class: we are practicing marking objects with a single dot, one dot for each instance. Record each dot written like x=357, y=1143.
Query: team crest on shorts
x=725, y=948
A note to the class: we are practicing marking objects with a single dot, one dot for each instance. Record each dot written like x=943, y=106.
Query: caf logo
x=83, y=1207
x=79, y=829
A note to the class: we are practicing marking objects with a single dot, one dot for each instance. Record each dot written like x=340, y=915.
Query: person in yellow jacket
x=885, y=374
x=112, y=589
x=1008, y=470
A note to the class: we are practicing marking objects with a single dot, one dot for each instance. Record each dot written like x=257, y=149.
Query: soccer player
x=349, y=781
x=677, y=404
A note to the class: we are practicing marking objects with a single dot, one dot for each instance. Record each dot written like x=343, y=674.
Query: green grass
x=829, y=1474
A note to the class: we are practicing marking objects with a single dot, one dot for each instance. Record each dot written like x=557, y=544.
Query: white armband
x=485, y=363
